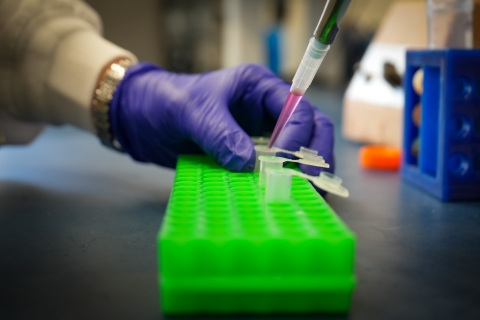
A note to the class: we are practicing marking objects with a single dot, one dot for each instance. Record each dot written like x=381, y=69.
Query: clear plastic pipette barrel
x=312, y=59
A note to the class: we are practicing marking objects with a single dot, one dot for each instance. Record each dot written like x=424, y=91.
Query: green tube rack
x=223, y=250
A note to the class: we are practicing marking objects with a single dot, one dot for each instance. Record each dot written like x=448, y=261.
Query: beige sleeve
x=51, y=54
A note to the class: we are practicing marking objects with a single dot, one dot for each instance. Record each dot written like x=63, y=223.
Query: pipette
x=318, y=46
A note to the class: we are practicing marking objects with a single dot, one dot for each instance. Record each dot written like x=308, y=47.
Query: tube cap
x=331, y=183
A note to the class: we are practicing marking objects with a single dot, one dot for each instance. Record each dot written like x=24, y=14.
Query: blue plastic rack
x=448, y=162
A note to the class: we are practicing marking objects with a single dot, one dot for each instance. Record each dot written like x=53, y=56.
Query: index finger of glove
x=265, y=90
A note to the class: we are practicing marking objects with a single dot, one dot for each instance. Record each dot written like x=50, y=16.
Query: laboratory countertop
x=78, y=225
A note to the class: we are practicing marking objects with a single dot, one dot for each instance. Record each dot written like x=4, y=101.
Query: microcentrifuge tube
x=279, y=185
x=261, y=150
x=268, y=162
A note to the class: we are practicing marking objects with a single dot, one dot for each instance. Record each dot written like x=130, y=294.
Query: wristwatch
x=102, y=98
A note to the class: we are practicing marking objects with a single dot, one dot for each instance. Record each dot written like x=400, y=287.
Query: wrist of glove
x=157, y=115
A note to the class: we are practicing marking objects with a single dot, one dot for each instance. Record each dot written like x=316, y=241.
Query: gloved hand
x=157, y=115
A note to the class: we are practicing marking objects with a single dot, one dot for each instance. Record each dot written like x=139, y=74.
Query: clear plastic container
x=262, y=150
x=267, y=163
x=279, y=185
x=450, y=24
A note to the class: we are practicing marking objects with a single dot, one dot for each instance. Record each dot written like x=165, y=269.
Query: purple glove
x=157, y=115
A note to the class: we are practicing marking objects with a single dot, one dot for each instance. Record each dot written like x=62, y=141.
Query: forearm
x=76, y=69
x=52, y=55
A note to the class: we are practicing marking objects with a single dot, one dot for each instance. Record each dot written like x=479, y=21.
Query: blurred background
x=194, y=36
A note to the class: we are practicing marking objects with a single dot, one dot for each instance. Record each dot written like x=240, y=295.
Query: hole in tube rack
x=236, y=189
x=249, y=212
x=243, y=184
x=217, y=185
x=458, y=164
x=461, y=126
x=247, y=207
x=246, y=199
x=208, y=181
x=215, y=194
x=246, y=193
x=217, y=188
x=251, y=217
x=211, y=174
x=217, y=204
x=287, y=219
x=252, y=205
x=214, y=179
x=253, y=225
x=221, y=200
x=294, y=233
x=240, y=177
x=462, y=88
x=214, y=173
x=287, y=211
x=239, y=174
x=240, y=182
x=217, y=212
x=218, y=222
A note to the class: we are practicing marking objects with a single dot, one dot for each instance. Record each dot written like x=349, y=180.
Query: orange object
x=380, y=157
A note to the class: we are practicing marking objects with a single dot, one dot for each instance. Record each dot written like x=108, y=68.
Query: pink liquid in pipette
x=288, y=108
